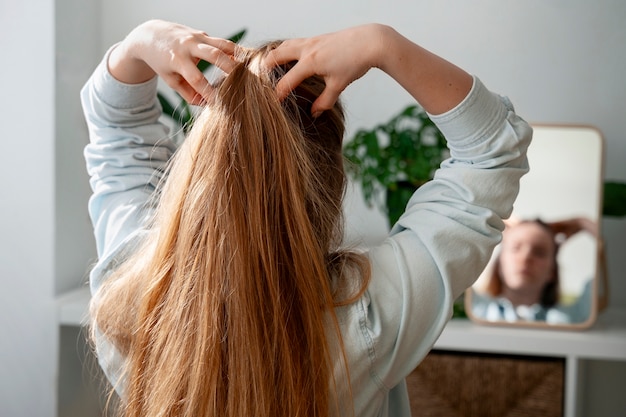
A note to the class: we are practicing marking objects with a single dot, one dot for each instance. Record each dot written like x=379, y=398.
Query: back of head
x=224, y=310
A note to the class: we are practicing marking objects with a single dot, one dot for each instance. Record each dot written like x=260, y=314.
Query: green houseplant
x=181, y=113
x=393, y=159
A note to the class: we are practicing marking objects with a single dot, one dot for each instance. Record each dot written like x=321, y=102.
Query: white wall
x=45, y=235
x=77, y=41
x=28, y=344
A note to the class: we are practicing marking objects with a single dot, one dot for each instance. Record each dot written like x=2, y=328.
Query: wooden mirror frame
x=573, y=187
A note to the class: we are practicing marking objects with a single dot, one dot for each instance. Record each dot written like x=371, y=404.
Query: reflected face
x=527, y=257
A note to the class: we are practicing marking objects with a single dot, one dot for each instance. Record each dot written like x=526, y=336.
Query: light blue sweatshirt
x=435, y=251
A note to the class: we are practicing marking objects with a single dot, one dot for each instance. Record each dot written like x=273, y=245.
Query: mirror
x=564, y=183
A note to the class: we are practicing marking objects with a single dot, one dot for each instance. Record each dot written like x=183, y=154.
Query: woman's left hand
x=172, y=51
x=568, y=228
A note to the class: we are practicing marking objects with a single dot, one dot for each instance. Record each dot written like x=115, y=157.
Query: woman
x=220, y=287
x=523, y=284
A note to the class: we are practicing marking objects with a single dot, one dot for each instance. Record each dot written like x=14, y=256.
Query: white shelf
x=73, y=307
x=606, y=339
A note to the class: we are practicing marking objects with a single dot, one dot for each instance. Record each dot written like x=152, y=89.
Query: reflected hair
x=550, y=293
x=227, y=306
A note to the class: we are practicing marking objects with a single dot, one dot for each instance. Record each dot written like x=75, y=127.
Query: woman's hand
x=340, y=58
x=568, y=228
x=345, y=56
x=172, y=51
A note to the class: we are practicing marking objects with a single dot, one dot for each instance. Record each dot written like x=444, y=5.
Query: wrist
x=125, y=67
x=383, y=40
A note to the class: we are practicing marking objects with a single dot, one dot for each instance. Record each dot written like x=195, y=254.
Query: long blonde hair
x=225, y=308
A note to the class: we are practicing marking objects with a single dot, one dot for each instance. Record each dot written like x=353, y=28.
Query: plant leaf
x=168, y=108
x=180, y=114
x=614, y=203
x=238, y=36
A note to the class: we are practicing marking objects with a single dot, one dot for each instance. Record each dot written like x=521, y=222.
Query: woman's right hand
x=340, y=58
x=345, y=56
x=172, y=51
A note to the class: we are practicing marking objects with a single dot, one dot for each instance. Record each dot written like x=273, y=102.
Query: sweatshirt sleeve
x=126, y=158
x=446, y=236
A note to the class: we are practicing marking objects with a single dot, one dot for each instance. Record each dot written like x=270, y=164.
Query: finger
x=187, y=91
x=216, y=56
x=192, y=78
x=224, y=45
x=288, y=51
x=223, y=60
x=292, y=79
x=326, y=100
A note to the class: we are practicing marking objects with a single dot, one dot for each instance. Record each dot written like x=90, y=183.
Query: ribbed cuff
x=118, y=94
x=477, y=118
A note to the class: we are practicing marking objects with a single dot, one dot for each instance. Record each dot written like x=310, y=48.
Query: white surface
x=606, y=340
x=73, y=307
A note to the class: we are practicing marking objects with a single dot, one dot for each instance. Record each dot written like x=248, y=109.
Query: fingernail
x=317, y=114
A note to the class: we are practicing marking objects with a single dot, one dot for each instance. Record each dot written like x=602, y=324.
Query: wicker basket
x=451, y=384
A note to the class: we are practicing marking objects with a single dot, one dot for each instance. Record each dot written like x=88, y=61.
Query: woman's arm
x=565, y=229
x=345, y=56
x=129, y=148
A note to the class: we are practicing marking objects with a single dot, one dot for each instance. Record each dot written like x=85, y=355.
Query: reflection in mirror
x=545, y=270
